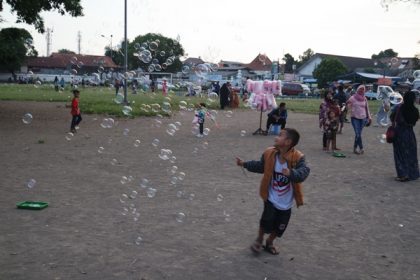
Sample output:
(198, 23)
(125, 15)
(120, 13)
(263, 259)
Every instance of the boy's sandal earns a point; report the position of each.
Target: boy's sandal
(271, 249)
(256, 247)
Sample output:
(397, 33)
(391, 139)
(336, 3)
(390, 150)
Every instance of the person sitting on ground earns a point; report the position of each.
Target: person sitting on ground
(277, 116)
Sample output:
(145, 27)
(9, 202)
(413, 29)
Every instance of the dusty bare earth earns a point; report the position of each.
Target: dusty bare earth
(358, 223)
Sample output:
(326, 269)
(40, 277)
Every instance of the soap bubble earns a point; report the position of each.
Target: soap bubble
(119, 98)
(228, 114)
(124, 180)
(69, 136)
(243, 132)
(206, 131)
(107, 123)
(165, 154)
(180, 194)
(162, 53)
(123, 198)
(177, 125)
(166, 107)
(185, 69)
(227, 216)
(31, 183)
(170, 131)
(182, 105)
(133, 194)
(27, 118)
(395, 98)
(125, 211)
(172, 170)
(181, 176)
(153, 45)
(158, 67)
(219, 197)
(151, 192)
(144, 183)
(384, 121)
(114, 161)
(205, 145)
(127, 110)
(155, 142)
(382, 138)
(137, 143)
(172, 159)
(174, 180)
(126, 131)
(157, 123)
(191, 196)
(101, 150)
(138, 240)
(180, 217)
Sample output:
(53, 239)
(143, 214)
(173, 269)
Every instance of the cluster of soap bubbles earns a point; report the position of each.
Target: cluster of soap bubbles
(148, 53)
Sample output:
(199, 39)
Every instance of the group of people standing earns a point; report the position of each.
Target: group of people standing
(404, 116)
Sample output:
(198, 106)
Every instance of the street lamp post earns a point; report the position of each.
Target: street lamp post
(125, 53)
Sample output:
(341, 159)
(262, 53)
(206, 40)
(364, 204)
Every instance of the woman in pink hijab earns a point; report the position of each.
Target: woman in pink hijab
(360, 116)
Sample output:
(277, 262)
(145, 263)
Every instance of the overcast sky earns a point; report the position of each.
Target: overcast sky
(238, 30)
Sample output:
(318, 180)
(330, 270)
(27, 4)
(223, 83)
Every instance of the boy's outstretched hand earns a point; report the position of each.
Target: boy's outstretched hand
(239, 162)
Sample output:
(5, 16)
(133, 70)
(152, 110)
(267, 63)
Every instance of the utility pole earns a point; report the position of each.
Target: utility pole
(79, 42)
(48, 38)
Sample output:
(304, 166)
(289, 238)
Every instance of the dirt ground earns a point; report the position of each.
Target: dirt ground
(358, 223)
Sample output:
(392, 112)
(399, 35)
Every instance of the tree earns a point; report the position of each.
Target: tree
(388, 53)
(328, 70)
(29, 11)
(66, 51)
(305, 57)
(289, 62)
(163, 51)
(15, 45)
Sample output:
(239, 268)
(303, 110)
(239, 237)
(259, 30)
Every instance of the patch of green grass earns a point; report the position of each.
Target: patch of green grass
(99, 100)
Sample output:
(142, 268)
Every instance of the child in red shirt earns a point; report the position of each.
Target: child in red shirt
(75, 111)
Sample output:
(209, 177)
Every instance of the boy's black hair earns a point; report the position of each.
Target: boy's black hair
(282, 104)
(203, 104)
(75, 91)
(293, 135)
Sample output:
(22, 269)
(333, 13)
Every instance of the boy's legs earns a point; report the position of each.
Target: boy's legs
(282, 218)
(201, 128)
(79, 119)
(73, 123)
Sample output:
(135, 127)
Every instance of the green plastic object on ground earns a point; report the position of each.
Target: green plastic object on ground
(340, 155)
(32, 205)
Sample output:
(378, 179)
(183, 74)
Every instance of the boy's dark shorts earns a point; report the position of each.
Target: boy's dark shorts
(274, 220)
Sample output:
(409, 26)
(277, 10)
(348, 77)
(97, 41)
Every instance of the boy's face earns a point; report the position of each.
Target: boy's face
(282, 140)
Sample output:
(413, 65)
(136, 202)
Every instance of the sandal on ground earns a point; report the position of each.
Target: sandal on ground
(256, 247)
(401, 179)
(271, 249)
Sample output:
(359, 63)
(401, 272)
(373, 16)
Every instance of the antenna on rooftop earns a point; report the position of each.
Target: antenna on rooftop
(48, 38)
(79, 42)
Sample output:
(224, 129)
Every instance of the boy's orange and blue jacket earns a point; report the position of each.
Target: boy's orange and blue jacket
(299, 171)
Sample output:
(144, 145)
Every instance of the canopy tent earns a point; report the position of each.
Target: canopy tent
(367, 77)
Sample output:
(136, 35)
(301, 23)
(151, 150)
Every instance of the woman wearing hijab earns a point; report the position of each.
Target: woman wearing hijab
(360, 116)
(224, 95)
(405, 116)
